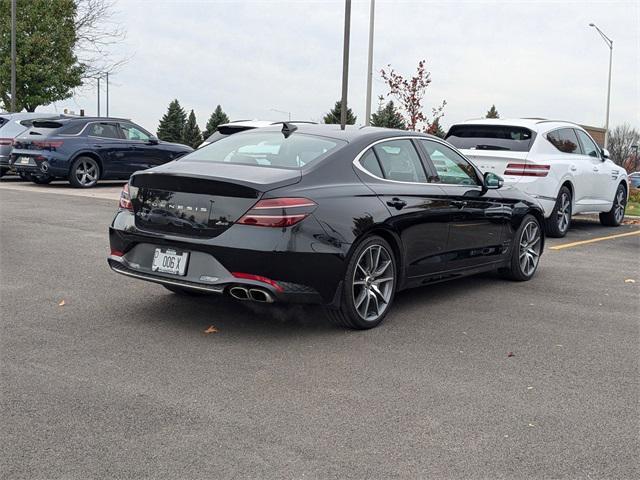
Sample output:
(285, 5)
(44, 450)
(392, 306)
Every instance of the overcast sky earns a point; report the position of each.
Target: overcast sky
(530, 59)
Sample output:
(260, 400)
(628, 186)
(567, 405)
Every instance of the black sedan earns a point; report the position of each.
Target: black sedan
(85, 150)
(312, 213)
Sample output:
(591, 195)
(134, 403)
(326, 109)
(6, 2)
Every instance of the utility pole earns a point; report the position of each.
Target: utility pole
(107, 93)
(345, 63)
(13, 56)
(98, 96)
(609, 43)
(370, 64)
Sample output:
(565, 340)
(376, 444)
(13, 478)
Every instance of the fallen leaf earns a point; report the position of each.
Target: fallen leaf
(61, 303)
(511, 354)
(531, 425)
(529, 388)
(211, 329)
(629, 280)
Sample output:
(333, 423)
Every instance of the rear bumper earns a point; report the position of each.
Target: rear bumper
(309, 274)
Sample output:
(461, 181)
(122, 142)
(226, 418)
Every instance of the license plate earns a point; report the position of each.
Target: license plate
(169, 261)
(24, 160)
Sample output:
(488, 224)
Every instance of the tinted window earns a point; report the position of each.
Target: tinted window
(268, 149)
(400, 161)
(564, 140)
(588, 146)
(452, 168)
(490, 137)
(104, 130)
(3, 121)
(73, 128)
(131, 132)
(370, 163)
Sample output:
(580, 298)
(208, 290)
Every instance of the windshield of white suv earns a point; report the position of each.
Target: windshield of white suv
(266, 149)
(490, 137)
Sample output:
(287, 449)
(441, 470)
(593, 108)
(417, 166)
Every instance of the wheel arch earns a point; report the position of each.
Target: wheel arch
(393, 239)
(569, 184)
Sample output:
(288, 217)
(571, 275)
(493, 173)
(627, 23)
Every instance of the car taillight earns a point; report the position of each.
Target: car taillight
(527, 170)
(125, 199)
(6, 141)
(278, 212)
(48, 145)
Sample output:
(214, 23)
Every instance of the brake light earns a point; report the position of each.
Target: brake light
(527, 170)
(258, 278)
(125, 199)
(6, 141)
(116, 253)
(278, 212)
(48, 145)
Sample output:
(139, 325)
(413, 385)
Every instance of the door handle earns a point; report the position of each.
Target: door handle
(458, 203)
(397, 203)
(595, 169)
(573, 168)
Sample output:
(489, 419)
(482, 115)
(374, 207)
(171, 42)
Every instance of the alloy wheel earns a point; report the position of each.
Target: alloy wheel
(530, 243)
(619, 205)
(564, 212)
(373, 282)
(87, 172)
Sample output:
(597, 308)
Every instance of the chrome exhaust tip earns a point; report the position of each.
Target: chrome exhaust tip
(258, 295)
(239, 293)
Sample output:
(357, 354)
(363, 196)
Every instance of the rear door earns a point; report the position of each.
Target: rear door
(104, 138)
(602, 187)
(394, 171)
(570, 158)
(477, 218)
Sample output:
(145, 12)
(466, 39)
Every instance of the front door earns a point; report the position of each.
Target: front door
(141, 153)
(477, 217)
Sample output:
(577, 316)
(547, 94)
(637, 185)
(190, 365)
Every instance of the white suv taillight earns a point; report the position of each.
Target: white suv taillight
(527, 169)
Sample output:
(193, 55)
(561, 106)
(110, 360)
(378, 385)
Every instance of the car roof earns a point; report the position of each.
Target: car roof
(535, 124)
(349, 134)
(28, 115)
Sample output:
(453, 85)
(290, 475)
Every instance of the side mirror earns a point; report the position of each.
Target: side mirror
(605, 154)
(153, 141)
(492, 181)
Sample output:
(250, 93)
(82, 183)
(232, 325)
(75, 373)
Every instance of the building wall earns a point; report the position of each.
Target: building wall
(596, 133)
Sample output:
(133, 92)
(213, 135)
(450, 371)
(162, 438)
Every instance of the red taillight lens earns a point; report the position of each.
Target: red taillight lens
(125, 199)
(278, 212)
(527, 170)
(6, 141)
(258, 278)
(116, 253)
(48, 145)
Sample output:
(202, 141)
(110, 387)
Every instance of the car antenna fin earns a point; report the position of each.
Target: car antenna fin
(288, 129)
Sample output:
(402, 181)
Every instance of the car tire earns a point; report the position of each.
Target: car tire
(41, 180)
(526, 251)
(559, 221)
(615, 216)
(185, 291)
(84, 172)
(369, 286)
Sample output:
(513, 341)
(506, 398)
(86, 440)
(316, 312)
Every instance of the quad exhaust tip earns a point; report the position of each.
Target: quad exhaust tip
(255, 294)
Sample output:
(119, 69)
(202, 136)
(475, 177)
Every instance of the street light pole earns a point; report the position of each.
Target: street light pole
(98, 96)
(609, 43)
(13, 55)
(367, 120)
(107, 74)
(345, 63)
(281, 111)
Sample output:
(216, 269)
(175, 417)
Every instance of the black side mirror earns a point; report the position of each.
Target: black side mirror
(153, 141)
(492, 181)
(605, 154)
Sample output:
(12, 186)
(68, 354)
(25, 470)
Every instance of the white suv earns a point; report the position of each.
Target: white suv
(556, 162)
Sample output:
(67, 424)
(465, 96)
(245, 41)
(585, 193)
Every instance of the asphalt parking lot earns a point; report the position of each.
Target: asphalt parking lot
(109, 377)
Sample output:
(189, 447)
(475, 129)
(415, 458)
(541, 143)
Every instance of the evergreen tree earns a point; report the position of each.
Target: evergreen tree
(493, 113)
(387, 116)
(334, 115)
(218, 117)
(172, 125)
(436, 129)
(191, 134)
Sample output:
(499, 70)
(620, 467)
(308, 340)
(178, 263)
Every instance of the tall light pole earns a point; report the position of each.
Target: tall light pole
(13, 55)
(281, 111)
(107, 75)
(345, 63)
(367, 120)
(98, 96)
(609, 43)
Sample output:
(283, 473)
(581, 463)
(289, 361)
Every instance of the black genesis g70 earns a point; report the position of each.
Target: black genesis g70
(312, 213)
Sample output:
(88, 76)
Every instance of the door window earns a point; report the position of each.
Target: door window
(565, 140)
(588, 146)
(399, 161)
(131, 132)
(452, 168)
(103, 130)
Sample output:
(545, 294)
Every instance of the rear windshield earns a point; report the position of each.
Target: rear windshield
(490, 137)
(266, 149)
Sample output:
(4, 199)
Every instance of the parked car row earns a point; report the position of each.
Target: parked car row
(84, 150)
